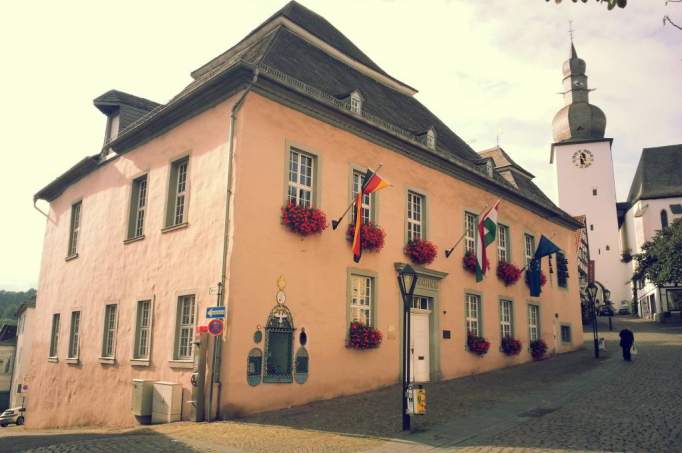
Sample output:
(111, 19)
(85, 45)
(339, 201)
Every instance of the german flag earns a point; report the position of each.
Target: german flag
(373, 183)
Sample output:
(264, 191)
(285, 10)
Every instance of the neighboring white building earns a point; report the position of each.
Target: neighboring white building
(20, 387)
(583, 162)
(654, 201)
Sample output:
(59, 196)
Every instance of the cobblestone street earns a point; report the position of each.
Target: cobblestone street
(571, 403)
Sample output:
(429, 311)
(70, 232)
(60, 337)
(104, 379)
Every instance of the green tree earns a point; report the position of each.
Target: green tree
(661, 259)
(610, 4)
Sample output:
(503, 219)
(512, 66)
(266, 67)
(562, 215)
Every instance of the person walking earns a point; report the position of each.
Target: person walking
(627, 339)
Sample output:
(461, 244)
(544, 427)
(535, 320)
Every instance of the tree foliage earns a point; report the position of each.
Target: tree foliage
(661, 259)
(10, 301)
(610, 4)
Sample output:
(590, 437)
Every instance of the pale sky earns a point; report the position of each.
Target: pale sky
(485, 67)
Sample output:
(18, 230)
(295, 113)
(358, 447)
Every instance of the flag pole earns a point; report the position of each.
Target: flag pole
(335, 223)
(449, 251)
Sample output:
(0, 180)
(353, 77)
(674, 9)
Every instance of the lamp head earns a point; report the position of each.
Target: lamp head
(407, 279)
(591, 291)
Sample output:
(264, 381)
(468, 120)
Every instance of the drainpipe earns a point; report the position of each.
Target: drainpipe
(229, 199)
(35, 206)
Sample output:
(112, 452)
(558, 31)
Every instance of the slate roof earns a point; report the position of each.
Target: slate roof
(130, 107)
(658, 175)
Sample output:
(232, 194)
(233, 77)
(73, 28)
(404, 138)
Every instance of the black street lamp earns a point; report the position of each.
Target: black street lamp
(592, 294)
(407, 280)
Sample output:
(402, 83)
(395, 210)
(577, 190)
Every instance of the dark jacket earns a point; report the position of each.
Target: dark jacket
(626, 338)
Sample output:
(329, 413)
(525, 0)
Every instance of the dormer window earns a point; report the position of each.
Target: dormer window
(356, 102)
(112, 128)
(489, 167)
(431, 139)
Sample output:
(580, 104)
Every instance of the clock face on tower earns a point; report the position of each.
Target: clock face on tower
(582, 158)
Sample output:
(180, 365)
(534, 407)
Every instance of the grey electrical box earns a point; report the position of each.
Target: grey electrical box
(143, 391)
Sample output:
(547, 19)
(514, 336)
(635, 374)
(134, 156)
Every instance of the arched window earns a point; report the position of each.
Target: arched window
(356, 102)
(664, 218)
(278, 345)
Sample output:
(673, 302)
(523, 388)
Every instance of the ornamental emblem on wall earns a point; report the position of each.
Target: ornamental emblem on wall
(583, 158)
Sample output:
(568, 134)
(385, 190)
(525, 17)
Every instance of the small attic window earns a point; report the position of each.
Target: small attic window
(489, 167)
(431, 139)
(355, 102)
(112, 128)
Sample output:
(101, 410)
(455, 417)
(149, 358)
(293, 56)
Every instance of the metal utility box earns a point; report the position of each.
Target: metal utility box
(142, 397)
(416, 399)
(167, 402)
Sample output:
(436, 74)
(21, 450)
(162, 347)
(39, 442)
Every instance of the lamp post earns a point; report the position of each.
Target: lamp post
(407, 280)
(592, 294)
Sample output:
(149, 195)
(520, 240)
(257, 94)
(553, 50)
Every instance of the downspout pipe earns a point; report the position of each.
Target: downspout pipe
(229, 198)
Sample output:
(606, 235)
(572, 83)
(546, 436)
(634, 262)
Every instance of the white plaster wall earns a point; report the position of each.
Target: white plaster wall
(23, 354)
(575, 195)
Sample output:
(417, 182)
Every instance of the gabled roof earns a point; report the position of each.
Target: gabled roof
(658, 175)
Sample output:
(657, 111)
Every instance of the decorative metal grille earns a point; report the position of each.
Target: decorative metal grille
(279, 345)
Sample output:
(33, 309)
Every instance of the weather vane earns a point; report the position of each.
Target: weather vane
(570, 30)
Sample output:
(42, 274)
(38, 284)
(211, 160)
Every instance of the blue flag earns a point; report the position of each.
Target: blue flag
(545, 247)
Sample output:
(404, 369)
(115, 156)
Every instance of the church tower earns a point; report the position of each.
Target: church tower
(582, 159)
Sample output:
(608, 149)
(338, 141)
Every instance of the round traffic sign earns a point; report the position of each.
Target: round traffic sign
(215, 327)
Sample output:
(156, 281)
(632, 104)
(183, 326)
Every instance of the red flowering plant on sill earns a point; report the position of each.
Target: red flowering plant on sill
(543, 279)
(361, 336)
(538, 348)
(420, 251)
(477, 345)
(302, 220)
(371, 236)
(510, 346)
(508, 273)
(469, 261)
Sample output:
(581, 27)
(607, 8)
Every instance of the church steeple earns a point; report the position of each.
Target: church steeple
(578, 120)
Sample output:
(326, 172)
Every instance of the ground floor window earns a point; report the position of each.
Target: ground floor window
(473, 314)
(506, 319)
(533, 322)
(184, 327)
(361, 302)
(566, 334)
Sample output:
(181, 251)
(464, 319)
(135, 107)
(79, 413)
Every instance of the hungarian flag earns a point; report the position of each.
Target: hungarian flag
(486, 234)
(373, 183)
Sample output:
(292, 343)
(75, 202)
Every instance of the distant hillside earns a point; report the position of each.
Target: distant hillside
(10, 301)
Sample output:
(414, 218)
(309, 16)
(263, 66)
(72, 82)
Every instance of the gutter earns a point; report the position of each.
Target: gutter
(227, 244)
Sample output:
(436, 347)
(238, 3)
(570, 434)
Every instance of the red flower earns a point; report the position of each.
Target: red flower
(371, 236)
(508, 273)
(303, 221)
(543, 279)
(477, 345)
(420, 251)
(510, 346)
(361, 336)
(469, 261)
(538, 348)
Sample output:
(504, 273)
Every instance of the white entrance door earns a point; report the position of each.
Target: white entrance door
(419, 352)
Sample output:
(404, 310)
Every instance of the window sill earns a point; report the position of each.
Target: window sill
(71, 257)
(53, 359)
(278, 379)
(181, 363)
(179, 226)
(140, 362)
(106, 360)
(72, 361)
(135, 239)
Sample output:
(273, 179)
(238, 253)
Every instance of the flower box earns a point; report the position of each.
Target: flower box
(302, 220)
(510, 346)
(538, 348)
(371, 236)
(361, 336)
(477, 345)
(469, 262)
(420, 251)
(508, 273)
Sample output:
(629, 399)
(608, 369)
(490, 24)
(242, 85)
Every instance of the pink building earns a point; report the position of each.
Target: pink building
(186, 198)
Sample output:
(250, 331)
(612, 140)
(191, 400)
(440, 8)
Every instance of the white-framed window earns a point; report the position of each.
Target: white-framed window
(301, 178)
(566, 333)
(361, 299)
(178, 192)
(422, 303)
(533, 322)
(138, 205)
(367, 201)
(473, 314)
(470, 224)
(74, 229)
(528, 247)
(54, 335)
(503, 243)
(415, 216)
(506, 318)
(74, 335)
(184, 330)
(109, 334)
(355, 102)
(143, 330)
